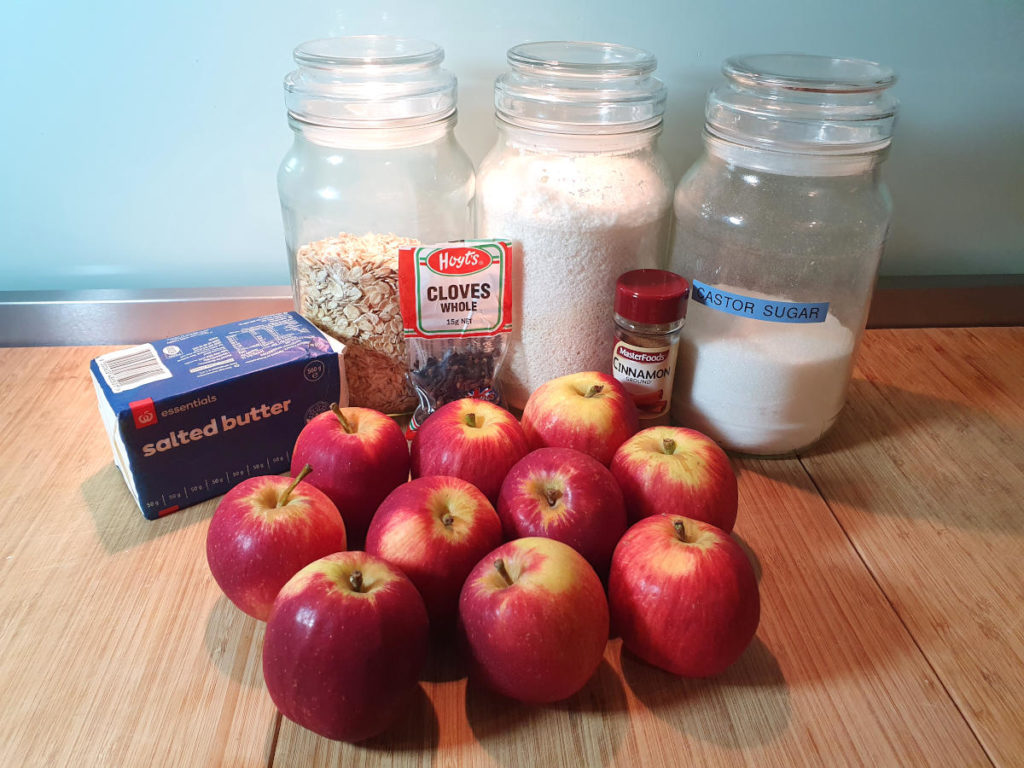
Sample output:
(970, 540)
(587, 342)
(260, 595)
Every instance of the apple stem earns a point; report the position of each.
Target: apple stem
(356, 580)
(670, 445)
(594, 390)
(448, 519)
(470, 419)
(345, 423)
(552, 495)
(283, 499)
(499, 566)
(681, 531)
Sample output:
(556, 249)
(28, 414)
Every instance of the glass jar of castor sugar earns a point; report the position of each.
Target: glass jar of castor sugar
(780, 228)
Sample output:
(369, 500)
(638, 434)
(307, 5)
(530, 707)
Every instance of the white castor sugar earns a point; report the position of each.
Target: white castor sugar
(581, 221)
(759, 387)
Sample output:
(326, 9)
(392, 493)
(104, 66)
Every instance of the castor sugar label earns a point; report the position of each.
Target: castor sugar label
(769, 310)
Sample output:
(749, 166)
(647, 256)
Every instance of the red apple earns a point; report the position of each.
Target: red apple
(536, 620)
(472, 439)
(344, 646)
(566, 495)
(266, 529)
(588, 411)
(683, 595)
(435, 529)
(360, 457)
(676, 471)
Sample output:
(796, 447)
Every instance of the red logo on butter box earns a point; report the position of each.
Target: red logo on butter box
(144, 412)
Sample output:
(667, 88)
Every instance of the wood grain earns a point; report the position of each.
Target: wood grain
(925, 471)
(833, 678)
(116, 647)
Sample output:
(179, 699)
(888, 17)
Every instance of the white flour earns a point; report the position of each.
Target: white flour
(760, 387)
(581, 220)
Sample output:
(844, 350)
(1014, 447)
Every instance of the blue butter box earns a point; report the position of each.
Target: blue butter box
(191, 416)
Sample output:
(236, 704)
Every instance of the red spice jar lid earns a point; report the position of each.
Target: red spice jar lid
(653, 296)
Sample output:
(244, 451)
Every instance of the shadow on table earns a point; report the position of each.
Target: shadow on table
(869, 455)
(755, 561)
(231, 638)
(874, 411)
(415, 734)
(866, 418)
(446, 659)
(714, 709)
(416, 730)
(513, 733)
(960, 487)
(119, 523)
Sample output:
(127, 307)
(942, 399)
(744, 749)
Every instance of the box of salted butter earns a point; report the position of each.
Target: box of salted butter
(191, 416)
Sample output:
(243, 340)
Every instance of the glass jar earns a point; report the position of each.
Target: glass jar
(576, 179)
(780, 228)
(374, 165)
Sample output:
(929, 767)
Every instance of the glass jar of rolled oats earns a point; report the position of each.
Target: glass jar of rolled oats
(374, 166)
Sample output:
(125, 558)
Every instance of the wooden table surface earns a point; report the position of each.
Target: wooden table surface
(890, 558)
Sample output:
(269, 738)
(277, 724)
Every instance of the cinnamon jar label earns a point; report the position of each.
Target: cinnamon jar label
(647, 374)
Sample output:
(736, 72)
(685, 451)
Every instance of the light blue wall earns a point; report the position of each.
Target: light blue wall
(140, 140)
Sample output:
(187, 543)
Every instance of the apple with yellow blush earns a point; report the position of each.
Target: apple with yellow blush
(683, 595)
(360, 456)
(588, 411)
(566, 495)
(435, 529)
(535, 619)
(263, 531)
(345, 644)
(676, 471)
(472, 439)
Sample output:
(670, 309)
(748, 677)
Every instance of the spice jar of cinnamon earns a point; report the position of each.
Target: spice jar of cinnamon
(650, 306)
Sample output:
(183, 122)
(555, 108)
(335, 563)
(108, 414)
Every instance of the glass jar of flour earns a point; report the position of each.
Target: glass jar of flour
(576, 178)
(374, 166)
(780, 227)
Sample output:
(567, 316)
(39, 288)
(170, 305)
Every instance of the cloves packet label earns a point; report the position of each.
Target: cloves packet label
(456, 304)
(456, 289)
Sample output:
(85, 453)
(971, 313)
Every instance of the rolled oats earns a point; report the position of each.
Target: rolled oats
(348, 286)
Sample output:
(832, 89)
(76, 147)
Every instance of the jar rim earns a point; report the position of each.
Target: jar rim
(367, 51)
(803, 103)
(369, 81)
(582, 58)
(808, 72)
(568, 86)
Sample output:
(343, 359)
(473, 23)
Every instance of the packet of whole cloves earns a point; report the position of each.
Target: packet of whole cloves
(456, 302)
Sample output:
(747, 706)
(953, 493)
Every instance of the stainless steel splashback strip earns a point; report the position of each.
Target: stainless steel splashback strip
(72, 318)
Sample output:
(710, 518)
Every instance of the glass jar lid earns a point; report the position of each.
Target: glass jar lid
(805, 104)
(580, 87)
(369, 81)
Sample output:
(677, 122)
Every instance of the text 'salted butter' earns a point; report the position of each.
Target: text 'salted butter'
(191, 416)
